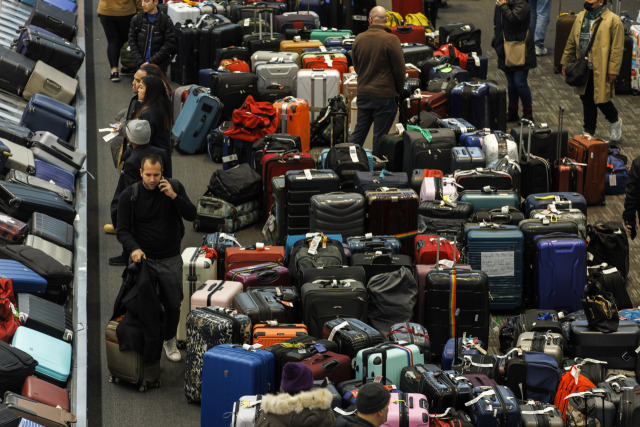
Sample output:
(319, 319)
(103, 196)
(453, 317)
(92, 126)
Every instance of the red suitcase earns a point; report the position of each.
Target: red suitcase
(568, 176)
(276, 164)
(244, 257)
(336, 367)
(261, 275)
(405, 7)
(45, 392)
(410, 34)
(480, 380)
(12, 230)
(424, 101)
(427, 249)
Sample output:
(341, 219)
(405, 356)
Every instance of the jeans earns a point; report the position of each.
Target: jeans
(167, 273)
(379, 111)
(590, 109)
(116, 29)
(540, 14)
(518, 87)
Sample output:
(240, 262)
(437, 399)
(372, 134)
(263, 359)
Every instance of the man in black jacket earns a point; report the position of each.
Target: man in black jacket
(152, 37)
(150, 214)
(632, 198)
(372, 404)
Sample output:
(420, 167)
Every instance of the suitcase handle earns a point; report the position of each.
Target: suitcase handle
(268, 276)
(52, 86)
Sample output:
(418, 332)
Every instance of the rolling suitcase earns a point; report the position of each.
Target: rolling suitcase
(318, 86)
(52, 229)
(336, 367)
(44, 392)
(12, 230)
(16, 365)
(548, 142)
(395, 356)
(418, 153)
(381, 261)
(236, 257)
(266, 56)
(215, 35)
(493, 404)
(423, 101)
(364, 181)
(564, 23)
(592, 406)
(20, 177)
(261, 275)
(535, 414)
(15, 70)
(45, 316)
(510, 216)
(206, 328)
(51, 49)
(351, 335)
(246, 411)
(436, 218)
(45, 113)
(559, 200)
(298, 46)
(47, 80)
(443, 389)
(616, 386)
(490, 198)
(419, 175)
(276, 164)
(218, 293)
(409, 409)
(232, 89)
(53, 355)
(393, 212)
(535, 170)
(391, 147)
(184, 67)
(414, 53)
(200, 112)
(463, 158)
(593, 152)
(35, 413)
(63, 255)
(498, 145)
(545, 342)
(14, 132)
(58, 176)
(269, 304)
(262, 42)
(276, 80)
(337, 213)
(295, 119)
(270, 333)
(479, 178)
(47, 147)
(51, 18)
(615, 348)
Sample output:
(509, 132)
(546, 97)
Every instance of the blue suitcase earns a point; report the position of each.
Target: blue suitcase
(48, 114)
(317, 6)
(53, 354)
(477, 66)
(365, 181)
(497, 250)
(345, 42)
(236, 151)
(490, 404)
(200, 113)
(471, 102)
(21, 201)
(459, 126)
(474, 139)
(363, 244)
(230, 372)
(467, 348)
(490, 199)
(24, 279)
(560, 272)
(204, 77)
(56, 175)
(562, 200)
(69, 5)
(292, 239)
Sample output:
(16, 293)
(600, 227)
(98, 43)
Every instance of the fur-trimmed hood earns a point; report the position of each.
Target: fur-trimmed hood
(308, 408)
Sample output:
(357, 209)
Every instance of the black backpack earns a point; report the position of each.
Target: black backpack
(331, 125)
(345, 160)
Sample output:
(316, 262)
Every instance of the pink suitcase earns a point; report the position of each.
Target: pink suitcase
(408, 409)
(260, 275)
(215, 292)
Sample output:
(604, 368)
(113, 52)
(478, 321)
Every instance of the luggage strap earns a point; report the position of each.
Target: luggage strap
(539, 411)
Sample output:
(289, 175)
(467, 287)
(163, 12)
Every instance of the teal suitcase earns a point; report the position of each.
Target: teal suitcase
(322, 35)
(492, 199)
(53, 355)
(200, 113)
(387, 360)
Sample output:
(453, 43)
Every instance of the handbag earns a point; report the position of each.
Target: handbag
(577, 71)
(599, 308)
(515, 52)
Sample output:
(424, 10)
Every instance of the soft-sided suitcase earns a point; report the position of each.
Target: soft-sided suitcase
(53, 355)
(268, 304)
(61, 177)
(49, 81)
(15, 70)
(37, 414)
(45, 316)
(232, 89)
(229, 372)
(370, 243)
(434, 217)
(200, 112)
(466, 346)
(492, 404)
(560, 200)
(351, 335)
(295, 119)
(52, 229)
(24, 279)
(16, 366)
(394, 357)
(615, 348)
(410, 34)
(337, 213)
(243, 257)
(381, 261)
(41, 391)
(45, 113)
(14, 132)
(63, 255)
(47, 147)
(536, 414)
(544, 140)
(593, 152)
(418, 153)
(36, 44)
(318, 86)
(336, 367)
(219, 293)
(261, 275)
(372, 180)
(391, 147)
(408, 409)
(206, 328)
(545, 342)
(20, 177)
(270, 333)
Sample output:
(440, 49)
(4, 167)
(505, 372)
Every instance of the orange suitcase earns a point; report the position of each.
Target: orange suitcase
(245, 257)
(294, 119)
(593, 152)
(297, 46)
(268, 334)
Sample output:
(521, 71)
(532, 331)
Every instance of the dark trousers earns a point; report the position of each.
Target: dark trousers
(518, 87)
(116, 29)
(167, 274)
(379, 111)
(590, 109)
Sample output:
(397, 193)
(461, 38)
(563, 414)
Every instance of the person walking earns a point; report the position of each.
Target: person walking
(540, 15)
(605, 59)
(152, 37)
(150, 214)
(115, 17)
(379, 62)
(511, 24)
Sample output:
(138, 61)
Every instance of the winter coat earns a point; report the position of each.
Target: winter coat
(163, 39)
(306, 409)
(352, 421)
(632, 198)
(606, 53)
(512, 21)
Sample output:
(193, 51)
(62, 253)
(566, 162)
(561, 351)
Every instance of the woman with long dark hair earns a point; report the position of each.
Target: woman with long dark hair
(155, 108)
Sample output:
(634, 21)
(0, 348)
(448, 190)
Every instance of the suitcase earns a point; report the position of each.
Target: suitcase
(410, 34)
(291, 241)
(295, 119)
(24, 279)
(592, 406)
(379, 262)
(268, 304)
(232, 89)
(477, 66)
(52, 229)
(623, 84)
(419, 175)
(244, 257)
(34, 413)
(423, 101)
(260, 276)
(63, 255)
(616, 386)
(265, 56)
(184, 67)
(69, 5)
(364, 181)
(493, 404)
(546, 342)
(369, 243)
(394, 356)
(45, 316)
(51, 49)
(507, 216)
(51, 18)
(246, 411)
(463, 158)
(14, 132)
(53, 355)
(45, 113)
(219, 293)
(429, 249)
(464, 37)
(445, 390)
(182, 12)
(47, 80)
(616, 348)
(498, 145)
(437, 218)
(20, 177)
(200, 113)
(229, 372)
(15, 70)
(392, 212)
(262, 42)
(414, 53)
(289, 21)
(472, 101)
(16, 366)
(335, 367)
(337, 213)
(276, 225)
(466, 346)
(535, 414)
(351, 335)
(410, 409)
(489, 198)
(302, 185)
(21, 158)
(560, 200)
(391, 147)
(268, 334)
(12, 230)
(412, 333)
(593, 152)
(206, 328)
(318, 86)
(276, 164)
(215, 35)
(47, 147)
(44, 392)
(479, 178)
(544, 140)
(420, 154)
(564, 23)
(277, 80)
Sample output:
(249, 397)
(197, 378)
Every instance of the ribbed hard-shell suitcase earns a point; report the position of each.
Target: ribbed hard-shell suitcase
(418, 153)
(208, 327)
(63, 255)
(276, 164)
(318, 86)
(45, 316)
(261, 275)
(215, 293)
(21, 158)
(56, 175)
(15, 70)
(615, 348)
(593, 152)
(44, 392)
(20, 177)
(395, 357)
(52, 229)
(45, 113)
(53, 355)
(351, 335)
(490, 404)
(200, 112)
(47, 80)
(392, 211)
(54, 150)
(295, 119)
(338, 213)
(268, 334)
(267, 304)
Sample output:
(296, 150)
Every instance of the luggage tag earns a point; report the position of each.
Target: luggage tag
(313, 246)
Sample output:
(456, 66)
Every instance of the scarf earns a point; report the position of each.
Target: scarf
(585, 31)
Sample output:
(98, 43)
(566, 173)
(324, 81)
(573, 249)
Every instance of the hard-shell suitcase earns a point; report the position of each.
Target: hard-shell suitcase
(246, 411)
(261, 275)
(459, 125)
(47, 147)
(421, 154)
(472, 102)
(337, 213)
(276, 164)
(53, 355)
(351, 335)
(215, 35)
(45, 113)
(243, 257)
(229, 372)
(266, 56)
(466, 158)
(49, 81)
(63, 255)
(51, 49)
(535, 414)
(219, 293)
(414, 53)
(592, 406)
(268, 334)
(24, 278)
(466, 346)
(336, 367)
(593, 152)
(295, 119)
(290, 20)
(182, 12)
(21, 158)
(22, 178)
(200, 112)
(490, 198)
(418, 102)
(410, 34)
(615, 348)
(622, 392)
(206, 328)
(12, 230)
(302, 185)
(409, 409)
(69, 5)
(268, 304)
(445, 390)
(184, 66)
(15, 70)
(52, 229)
(364, 181)
(44, 392)
(392, 211)
(560, 200)
(545, 342)
(492, 404)
(479, 178)
(318, 86)
(429, 249)
(370, 243)
(276, 80)
(394, 357)
(35, 413)
(298, 46)
(45, 316)
(61, 177)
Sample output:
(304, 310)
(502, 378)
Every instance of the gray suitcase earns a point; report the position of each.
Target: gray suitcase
(63, 255)
(536, 414)
(21, 158)
(20, 177)
(317, 87)
(547, 342)
(563, 214)
(52, 229)
(246, 411)
(53, 150)
(50, 82)
(338, 213)
(271, 56)
(276, 80)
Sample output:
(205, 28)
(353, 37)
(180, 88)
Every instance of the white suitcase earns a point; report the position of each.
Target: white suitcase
(271, 56)
(196, 269)
(21, 158)
(436, 188)
(245, 411)
(317, 87)
(182, 12)
(550, 343)
(62, 255)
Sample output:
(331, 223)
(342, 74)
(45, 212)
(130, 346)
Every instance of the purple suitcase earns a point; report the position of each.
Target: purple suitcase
(261, 275)
(480, 380)
(56, 175)
(408, 409)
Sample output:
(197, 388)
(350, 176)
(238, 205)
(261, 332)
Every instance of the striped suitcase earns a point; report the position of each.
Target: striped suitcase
(52, 229)
(396, 357)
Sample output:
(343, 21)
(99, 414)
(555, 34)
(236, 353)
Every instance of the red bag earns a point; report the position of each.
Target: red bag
(253, 121)
(9, 321)
(568, 385)
(235, 64)
(457, 58)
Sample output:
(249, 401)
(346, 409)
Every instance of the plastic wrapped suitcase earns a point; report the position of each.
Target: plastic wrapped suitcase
(270, 333)
(616, 348)
(318, 87)
(15, 69)
(45, 316)
(498, 145)
(182, 12)
(200, 112)
(219, 293)
(63, 255)
(53, 355)
(351, 335)
(338, 213)
(490, 404)
(268, 304)
(397, 356)
(261, 275)
(35, 413)
(49, 148)
(52, 229)
(48, 81)
(206, 328)
(20, 177)
(44, 392)
(45, 113)
(593, 152)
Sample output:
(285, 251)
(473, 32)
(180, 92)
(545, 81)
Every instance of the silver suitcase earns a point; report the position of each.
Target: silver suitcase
(23, 178)
(277, 76)
(547, 342)
(53, 150)
(51, 82)
(271, 56)
(21, 158)
(317, 87)
(62, 255)
(245, 411)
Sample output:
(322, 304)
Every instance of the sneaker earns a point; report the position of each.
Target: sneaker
(115, 77)
(615, 131)
(109, 229)
(540, 51)
(124, 71)
(119, 260)
(171, 350)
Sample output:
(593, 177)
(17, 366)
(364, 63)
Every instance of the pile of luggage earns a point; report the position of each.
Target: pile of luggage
(40, 163)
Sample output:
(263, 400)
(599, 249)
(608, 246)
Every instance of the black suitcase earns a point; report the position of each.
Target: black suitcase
(381, 262)
(535, 174)
(498, 107)
(390, 148)
(630, 407)
(50, 49)
(21, 201)
(615, 386)
(15, 367)
(230, 52)
(15, 71)
(51, 229)
(302, 185)
(615, 348)
(45, 316)
(415, 53)
(13, 132)
(445, 389)
(215, 37)
(351, 335)
(436, 218)
(232, 89)
(544, 140)
(508, 216)
(464, 37)
(623, 82)
(263, 304)
(540, 414)
(411, 378)
(338, 213)
(333, 272)
(52, 18)
(477, 179)
(261, 41)
(184, 67)
(274, 143)
(420, 154)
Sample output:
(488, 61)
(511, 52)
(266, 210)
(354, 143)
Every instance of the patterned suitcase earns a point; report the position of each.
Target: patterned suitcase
(53, 355)
(12, 230)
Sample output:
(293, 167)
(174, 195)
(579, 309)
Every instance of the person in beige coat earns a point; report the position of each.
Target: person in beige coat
(605, 60)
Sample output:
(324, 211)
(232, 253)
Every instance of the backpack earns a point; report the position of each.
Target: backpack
(345, 160)
(329, 252)
(331, 125)
(568, 385)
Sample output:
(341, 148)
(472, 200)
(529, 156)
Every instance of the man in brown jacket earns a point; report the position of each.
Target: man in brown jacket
(378, 60)
(605, 60)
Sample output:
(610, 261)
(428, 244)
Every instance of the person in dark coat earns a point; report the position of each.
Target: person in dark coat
(155, 107)
(511, 23)
(152, 38)
(632, 198)
(372, 404)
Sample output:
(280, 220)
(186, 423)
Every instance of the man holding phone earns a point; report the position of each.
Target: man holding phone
(150, 214)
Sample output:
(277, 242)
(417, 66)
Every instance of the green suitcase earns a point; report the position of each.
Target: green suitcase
(387, 360)
(323, 34)
(490, 198)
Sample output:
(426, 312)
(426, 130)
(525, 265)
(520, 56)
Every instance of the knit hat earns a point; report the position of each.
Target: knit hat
(138, 131)
(372, 397)
(296, 377)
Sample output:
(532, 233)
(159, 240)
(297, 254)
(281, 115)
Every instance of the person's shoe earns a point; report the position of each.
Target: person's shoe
(109, 229)
(541, 51)
(118, 260)
(124, 71)
(615, 131)
(171, 350)
(115, 77)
